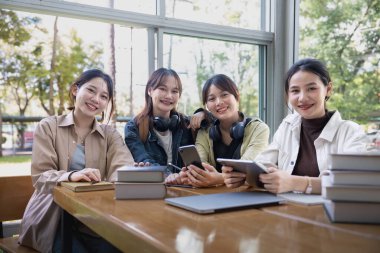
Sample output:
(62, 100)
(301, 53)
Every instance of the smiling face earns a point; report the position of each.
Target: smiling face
(165, 97)
(91, 98)
(222, 104)
(307, 94)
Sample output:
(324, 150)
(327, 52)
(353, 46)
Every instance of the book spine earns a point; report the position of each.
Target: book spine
(140, 177)
(139, 191)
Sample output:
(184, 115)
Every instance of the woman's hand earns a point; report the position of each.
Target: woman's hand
(203, 178)
(232, 179)
(178, 178)
(87, 174)
(173, 178)
(196, 120)
(277, 181)
(141, 164)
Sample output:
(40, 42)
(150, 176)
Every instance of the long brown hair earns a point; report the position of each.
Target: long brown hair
(156, 79)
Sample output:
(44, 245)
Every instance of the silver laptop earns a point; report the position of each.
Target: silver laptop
(211, 203)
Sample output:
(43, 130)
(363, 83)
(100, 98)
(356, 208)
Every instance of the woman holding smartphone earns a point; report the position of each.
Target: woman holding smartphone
(231, 135)
(157, 132)
(303, 141)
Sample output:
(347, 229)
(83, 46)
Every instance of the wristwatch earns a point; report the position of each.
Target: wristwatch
(309, 187)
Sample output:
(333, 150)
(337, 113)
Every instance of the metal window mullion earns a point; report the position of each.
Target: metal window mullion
(160, 48)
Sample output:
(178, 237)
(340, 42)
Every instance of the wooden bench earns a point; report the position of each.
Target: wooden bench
(15, 193)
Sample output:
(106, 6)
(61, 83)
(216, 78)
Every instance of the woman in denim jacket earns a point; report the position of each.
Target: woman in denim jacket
(302, 144)
(157, 132)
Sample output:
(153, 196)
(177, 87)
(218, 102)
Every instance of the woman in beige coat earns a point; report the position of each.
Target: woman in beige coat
(73, 147)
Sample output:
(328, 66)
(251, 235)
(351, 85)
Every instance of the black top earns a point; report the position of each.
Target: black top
(231, 151)
(307, 164)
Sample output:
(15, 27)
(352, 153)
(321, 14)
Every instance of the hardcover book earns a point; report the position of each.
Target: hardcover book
(355, 177)
(139, 190)
(360, 193)
(87, 186)
(359, 161)
(353, 212)
(146, 174)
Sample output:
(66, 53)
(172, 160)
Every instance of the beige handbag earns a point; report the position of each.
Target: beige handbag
(40, 222)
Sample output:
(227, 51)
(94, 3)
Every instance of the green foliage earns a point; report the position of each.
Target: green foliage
(23, 68)
(71, 60)
(15, 159)
(236, 60)
(346, 35)
(13, 29)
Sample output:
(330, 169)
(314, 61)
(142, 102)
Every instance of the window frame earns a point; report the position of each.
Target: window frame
(278, 47)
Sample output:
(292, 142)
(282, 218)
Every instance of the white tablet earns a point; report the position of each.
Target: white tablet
(251, 168)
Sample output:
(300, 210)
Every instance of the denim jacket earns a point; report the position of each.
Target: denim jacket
(151, 151)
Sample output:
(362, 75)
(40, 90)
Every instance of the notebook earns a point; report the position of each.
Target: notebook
(211, 203)
(303, 199)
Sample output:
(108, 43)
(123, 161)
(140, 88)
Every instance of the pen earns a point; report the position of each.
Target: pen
(175, 166)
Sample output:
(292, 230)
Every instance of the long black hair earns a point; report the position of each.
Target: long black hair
(85, 77)
(309, 65)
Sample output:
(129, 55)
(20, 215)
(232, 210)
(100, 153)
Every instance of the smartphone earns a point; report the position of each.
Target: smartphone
(190, 155)
(251, 168)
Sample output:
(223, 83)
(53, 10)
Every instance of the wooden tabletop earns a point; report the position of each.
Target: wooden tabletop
(153, 226)
(316, 215)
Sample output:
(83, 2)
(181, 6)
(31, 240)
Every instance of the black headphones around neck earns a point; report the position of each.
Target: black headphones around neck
(164, 124)
(236, 130)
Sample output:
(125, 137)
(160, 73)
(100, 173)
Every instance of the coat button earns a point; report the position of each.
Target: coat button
(291, 163)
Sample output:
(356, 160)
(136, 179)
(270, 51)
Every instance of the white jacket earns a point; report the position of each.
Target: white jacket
(338, 136)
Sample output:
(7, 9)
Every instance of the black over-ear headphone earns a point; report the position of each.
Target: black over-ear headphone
(236, 130)
(163, 124)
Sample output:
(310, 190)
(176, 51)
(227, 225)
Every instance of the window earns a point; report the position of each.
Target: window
(236, 13)
(141, 6)
(197, 59)
(345, 35)
(197, 40)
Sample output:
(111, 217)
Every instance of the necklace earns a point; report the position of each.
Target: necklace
(82, 134)
(81, 139)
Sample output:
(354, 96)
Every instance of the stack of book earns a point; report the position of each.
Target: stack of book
(140, 182)
(352, 188)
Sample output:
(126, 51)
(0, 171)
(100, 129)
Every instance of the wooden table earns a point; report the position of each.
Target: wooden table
(153, 226)
(315, 215)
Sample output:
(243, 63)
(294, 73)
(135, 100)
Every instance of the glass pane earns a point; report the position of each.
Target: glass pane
(196, 60)
(141, 6)
(345, 35)
(236, 13)
(25, 69)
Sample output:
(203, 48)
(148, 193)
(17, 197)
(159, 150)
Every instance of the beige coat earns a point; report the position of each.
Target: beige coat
(53, 147)
(55, 142)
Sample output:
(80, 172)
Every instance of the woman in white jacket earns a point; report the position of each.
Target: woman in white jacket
(303, 141)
